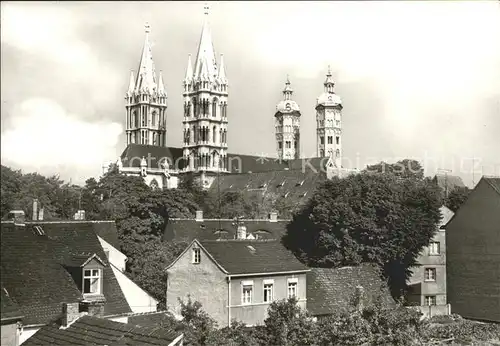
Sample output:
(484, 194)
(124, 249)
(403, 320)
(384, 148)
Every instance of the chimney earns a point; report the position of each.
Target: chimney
(273, 216)
(71, 312)
(17, 216)
(199, 216)
(94, 307)
(241, 232)
(359, 298)
(40, 214)
(35, 209)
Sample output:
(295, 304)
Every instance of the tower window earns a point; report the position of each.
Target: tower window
(144, 137)
(337, 140)
(321, 153)
(288, 144)
(153, 118)
(322, 140)
(330, 139)
(295, 144)
(280, 145)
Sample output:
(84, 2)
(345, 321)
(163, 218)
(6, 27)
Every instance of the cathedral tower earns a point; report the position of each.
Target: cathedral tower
(146, 102)
(287, 125)
(205, 109)
(329, 122)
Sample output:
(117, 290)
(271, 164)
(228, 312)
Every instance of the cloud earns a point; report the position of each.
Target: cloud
(43, 136)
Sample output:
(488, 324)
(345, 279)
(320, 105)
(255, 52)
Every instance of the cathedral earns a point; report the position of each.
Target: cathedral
(204, 152)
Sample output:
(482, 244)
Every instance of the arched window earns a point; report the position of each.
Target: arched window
(321, 153)
(337, 152)
(195, 134)
(214, 107)
(195, 105)
(214, 134)
(153, 118)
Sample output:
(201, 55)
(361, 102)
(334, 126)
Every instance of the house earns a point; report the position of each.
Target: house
(428, 280)
(11, 317)
(44, 264)
(332, 289)
(448, 183)
(473, 254)
(78, 329)
(235, 279)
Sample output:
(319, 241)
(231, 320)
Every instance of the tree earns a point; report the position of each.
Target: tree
(288, 325)
(402, 169)
(457, 197)
(370, 217)
(232, 204)
(199, 325)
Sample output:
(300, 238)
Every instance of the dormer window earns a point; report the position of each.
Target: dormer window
(92, 281)
(196, 255)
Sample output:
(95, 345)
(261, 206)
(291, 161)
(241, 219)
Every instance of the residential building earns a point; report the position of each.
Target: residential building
(448, 182)
(473, 254)
(44, 264)
(236, 279)
(428, 281)
(332, 289)
(89, 330)
(11, 317)
(205, 125)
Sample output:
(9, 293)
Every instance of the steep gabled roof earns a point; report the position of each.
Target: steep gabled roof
(34, 272)
(89, 330)
(243, 257)
(9, 309)
(449, 182)
(331, 289)
(494, 183)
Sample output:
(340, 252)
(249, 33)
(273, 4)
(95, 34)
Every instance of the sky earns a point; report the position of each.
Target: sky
(417, 79)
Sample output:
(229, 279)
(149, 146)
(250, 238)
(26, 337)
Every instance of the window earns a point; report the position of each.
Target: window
(91, 281)
(288, 144)
(268, 291)
(430, 300)
(322, 140)
(292, 288)
(330, 139)
(196, 255)
(337, 140)
(430, 274)
(280, 145)
(153, 118)
(247, 292)
(144, 137)
(434, 248)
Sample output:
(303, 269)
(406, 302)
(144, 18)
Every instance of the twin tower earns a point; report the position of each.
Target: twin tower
(205, 121)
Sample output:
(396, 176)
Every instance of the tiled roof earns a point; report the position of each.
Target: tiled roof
(494, 182)
(152, 319)
(190, 229)
(252, 257)
(95, 331)
(9, 309)
(446, 215)
(106, 229)
(330, 289)
(449, 182)
(237, 163)
(34, 274)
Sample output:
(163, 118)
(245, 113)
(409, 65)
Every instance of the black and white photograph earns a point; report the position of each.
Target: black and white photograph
(250, 173)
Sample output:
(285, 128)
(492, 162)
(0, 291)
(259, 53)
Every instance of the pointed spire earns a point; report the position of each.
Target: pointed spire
(146, 76)
(206, 52)
(288, 91)
(329, 83)
(161, 86)
(222, 70)
(189, 71)
(131, 85)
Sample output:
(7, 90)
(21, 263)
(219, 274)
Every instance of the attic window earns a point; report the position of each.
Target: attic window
(230, 186)
(263, 186)
(286, 194)
(304, 194)
(196, 255)
(91, 281)
(251, 248)
(300, 183)
(281, 184)
(39, 230)
(202, 226)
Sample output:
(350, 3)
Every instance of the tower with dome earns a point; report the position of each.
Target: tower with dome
(287, 125)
